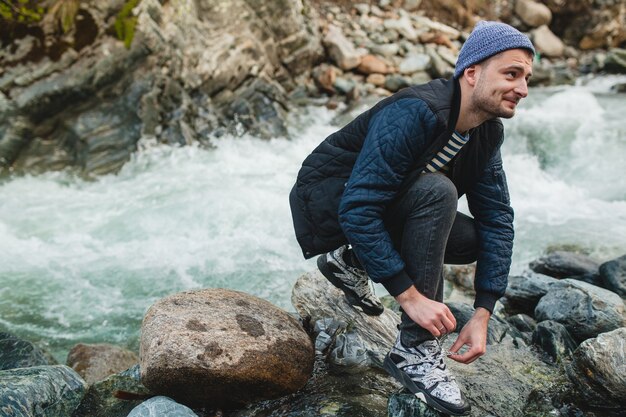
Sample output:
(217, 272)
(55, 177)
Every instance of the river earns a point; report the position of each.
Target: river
(81, 261)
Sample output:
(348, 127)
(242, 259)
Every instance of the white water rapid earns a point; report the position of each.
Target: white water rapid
(81, 261)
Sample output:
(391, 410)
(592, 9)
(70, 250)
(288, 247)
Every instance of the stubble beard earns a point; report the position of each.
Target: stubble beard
(487, 104)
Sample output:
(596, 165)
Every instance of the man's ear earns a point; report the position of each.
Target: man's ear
(471, 74)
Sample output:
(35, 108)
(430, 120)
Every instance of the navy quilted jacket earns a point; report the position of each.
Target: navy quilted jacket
(345, 185)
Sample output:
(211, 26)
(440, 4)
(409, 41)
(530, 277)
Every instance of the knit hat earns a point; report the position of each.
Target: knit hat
(488, 39)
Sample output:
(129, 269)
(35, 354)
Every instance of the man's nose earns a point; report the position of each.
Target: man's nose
(522, 88)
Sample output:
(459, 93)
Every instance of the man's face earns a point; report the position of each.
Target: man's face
(502, 81)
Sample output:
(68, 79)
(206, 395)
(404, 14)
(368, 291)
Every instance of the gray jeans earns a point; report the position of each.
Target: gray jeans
(428, 231)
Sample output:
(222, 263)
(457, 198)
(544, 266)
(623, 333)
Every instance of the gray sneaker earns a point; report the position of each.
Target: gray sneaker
(354, 282)
(422, 371)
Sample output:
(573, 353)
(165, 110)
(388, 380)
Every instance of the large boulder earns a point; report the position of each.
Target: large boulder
(222, 347)
(115, 396)
(18, 353)
(40, 391)
(315, 298)
(613, 275)
(95, 362)
(584, 309)
(563, 264)
(598, 369)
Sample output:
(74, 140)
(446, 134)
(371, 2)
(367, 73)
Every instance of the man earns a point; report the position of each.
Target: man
(380, 196)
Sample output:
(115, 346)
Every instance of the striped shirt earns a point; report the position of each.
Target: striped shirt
(444, 156)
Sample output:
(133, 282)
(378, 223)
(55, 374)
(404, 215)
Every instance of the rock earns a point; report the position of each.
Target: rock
(598, 370)
(461, 275)
(562, 264)
(386, 50)
(532, 13)
(403, 26)
(41, 391)
(376, 79)
(18, 353)
(554, 339)
(114, 396)
(414, 63)
(547, 43)
(613, 275)
(325, 76)
(524, 292)
(616, 61)
(405, 404)
(221, 348)
(396, 82)
(315, 298)
(344, 85)
(411, 5)
(98, 361)
(522, 322)
(161, 406)
(372, 65)
(340, 49)
(439, 67)
(585, 310)
(505, 379)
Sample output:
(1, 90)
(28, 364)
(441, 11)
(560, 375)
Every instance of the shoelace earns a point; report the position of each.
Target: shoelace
(440, 340)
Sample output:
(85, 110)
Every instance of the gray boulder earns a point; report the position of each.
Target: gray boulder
(221, 347)
(616, 61)
(584, 309)
(161, 406)
(522, 322)
(554, 339)
(613, 275)
(314, 297)
(18, 353)
(563, 264)
(40, 391)
(114, 396)
(598, 370)
(95, 362)
(524, 292)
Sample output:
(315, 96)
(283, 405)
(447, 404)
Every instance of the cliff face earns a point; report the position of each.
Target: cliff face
(194, 69)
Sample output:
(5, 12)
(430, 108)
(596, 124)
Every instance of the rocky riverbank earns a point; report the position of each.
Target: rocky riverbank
(197, 70)
(555, 347)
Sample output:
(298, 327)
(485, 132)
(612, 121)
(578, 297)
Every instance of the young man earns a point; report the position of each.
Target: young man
(380, 196)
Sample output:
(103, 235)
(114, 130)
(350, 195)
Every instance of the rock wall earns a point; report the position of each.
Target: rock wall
(195, 69)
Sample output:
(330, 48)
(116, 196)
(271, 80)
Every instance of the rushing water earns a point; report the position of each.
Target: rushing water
(82, 261)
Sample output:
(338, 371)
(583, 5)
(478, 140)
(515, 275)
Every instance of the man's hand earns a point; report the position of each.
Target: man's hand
(429, 314)
(474, 335)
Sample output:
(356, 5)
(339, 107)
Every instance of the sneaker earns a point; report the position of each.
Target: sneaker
(422, 371)
(354, 282)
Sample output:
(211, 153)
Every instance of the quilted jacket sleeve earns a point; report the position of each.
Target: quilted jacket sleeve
(489, 203)
(397, 136)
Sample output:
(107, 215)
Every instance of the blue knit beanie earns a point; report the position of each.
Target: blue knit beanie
(488, 39)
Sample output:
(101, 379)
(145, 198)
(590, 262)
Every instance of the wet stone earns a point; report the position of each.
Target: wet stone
(554, 339)
(18, 353)
(598, 369)
(115, 396)
(524, 291)
(42, 391)
(563, 264)
(406, 404)
(584, 309)
(161, 406)
(613, 275)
